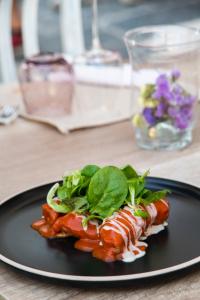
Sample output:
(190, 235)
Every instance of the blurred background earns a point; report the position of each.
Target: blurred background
(90, 34)
(115, 18)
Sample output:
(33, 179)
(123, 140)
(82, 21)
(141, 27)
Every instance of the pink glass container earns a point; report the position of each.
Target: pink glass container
(47, 85)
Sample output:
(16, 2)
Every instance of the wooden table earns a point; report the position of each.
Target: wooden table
(32, 154)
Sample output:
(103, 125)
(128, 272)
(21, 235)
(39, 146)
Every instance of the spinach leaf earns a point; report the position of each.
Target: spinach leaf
(136, 188)
(63, 192)
(129, 172)
(102, 191)
(107, 191)
(150, 196)
(80, 204)
(77, 183)
(137, 185)
(76, 204)
(89, 170)
(57, 206)
(72, 185)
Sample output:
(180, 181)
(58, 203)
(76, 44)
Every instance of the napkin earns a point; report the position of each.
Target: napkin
(93, 105)
(103, 95)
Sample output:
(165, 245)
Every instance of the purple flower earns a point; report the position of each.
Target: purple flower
(186, 112)
(178, 99)
(181, 121)
(162, 93)
(177, 89)
(175, 74)
(148, 115)
(162, 88)
(181, 116)
(162, 81)
(188, 100)
(160, 110)
(157, 94)
(173, 102)
(177, 94)
(172, 111)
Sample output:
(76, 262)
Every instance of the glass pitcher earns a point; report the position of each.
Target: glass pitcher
(165, 67)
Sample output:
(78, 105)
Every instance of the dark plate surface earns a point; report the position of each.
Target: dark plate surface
(173, 249)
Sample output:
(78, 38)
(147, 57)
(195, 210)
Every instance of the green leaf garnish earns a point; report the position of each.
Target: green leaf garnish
(141, 213)
(90, 217)
(107, 191)
(89, 170)
(136, 186)
(59, 207)
(99, 192)
(150, 196)
(73, 185)
(129, 172)
(80, 204)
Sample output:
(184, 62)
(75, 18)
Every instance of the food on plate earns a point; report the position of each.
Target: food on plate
(109, 210)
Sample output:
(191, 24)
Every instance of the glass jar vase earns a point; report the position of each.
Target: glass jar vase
(47, 85)
(165, 62)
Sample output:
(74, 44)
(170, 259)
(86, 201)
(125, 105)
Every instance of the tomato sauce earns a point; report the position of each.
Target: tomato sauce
(117, 238)
(72, 223)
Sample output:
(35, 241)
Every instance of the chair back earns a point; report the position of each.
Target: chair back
(71, 30)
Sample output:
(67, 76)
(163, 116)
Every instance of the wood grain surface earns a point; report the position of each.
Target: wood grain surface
(32, 154)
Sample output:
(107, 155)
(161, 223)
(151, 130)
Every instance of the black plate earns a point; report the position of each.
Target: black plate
(173, 249)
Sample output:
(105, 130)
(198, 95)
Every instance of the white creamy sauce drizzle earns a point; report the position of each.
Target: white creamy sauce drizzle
(136, 228)
(152, 211)
(164, 202)
(129, 248)
(129, 256)
(154, 229)
(95, 222)
(138, 224)
(115, 224)
(85, 227)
